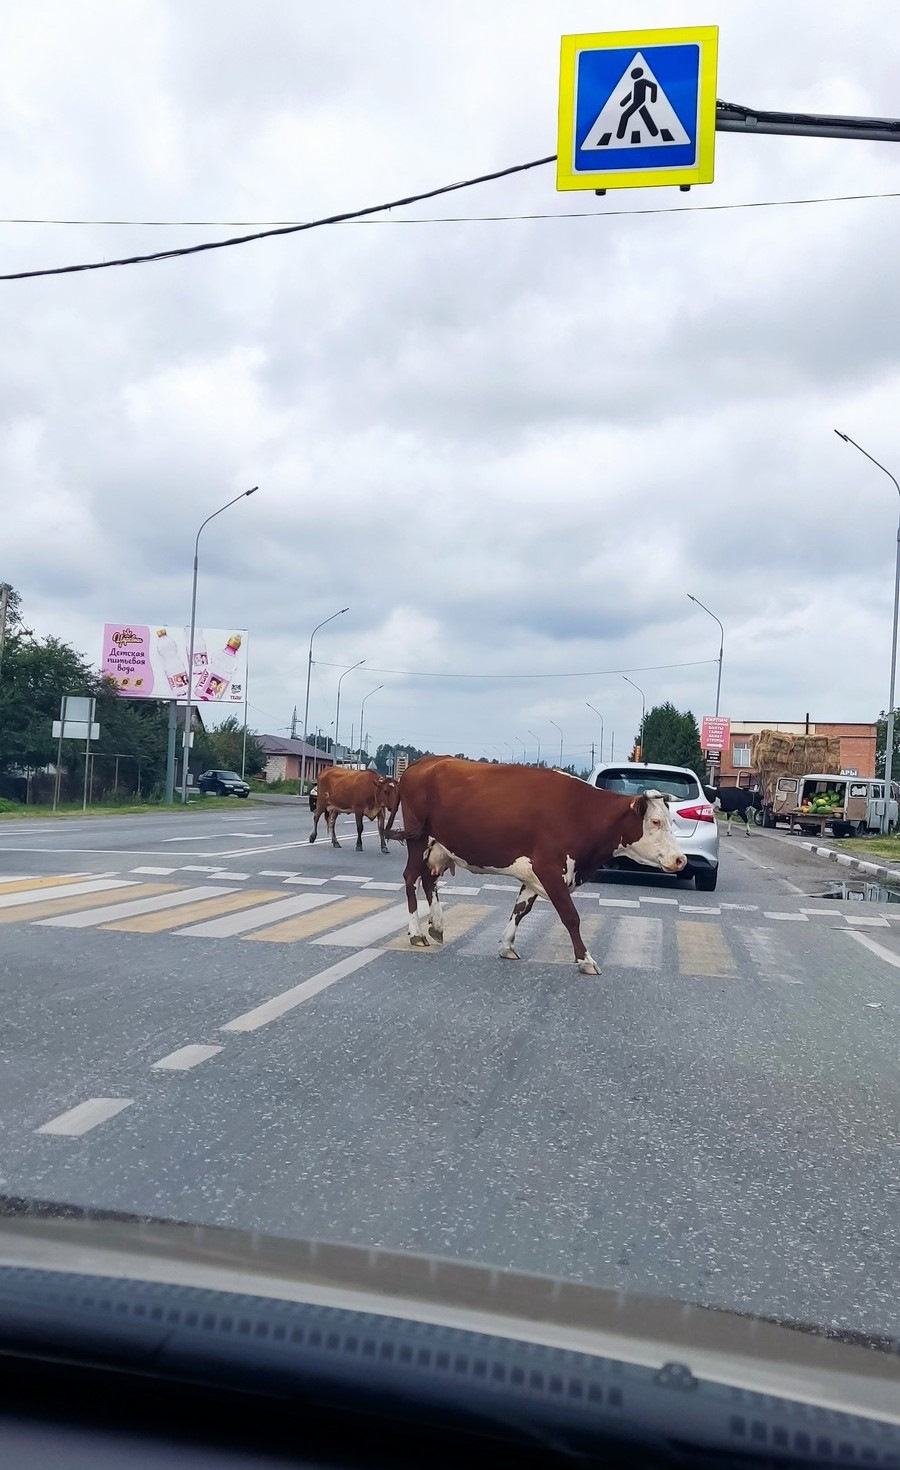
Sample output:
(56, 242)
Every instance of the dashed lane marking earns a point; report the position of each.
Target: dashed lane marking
(875, 948)
(304, 926)
(185, 1058)
(270, 1010)
(800, 918)
(85, 1116)
(867, 921)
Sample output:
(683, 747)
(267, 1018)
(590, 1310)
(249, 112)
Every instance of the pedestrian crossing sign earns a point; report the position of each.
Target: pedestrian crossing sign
(637, 109)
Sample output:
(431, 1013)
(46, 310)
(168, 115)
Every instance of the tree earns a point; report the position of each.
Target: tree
(881, 745)
(672, 738)
(223, 748)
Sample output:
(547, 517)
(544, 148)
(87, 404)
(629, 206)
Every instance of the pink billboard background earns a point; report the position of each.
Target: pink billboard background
(150, 661)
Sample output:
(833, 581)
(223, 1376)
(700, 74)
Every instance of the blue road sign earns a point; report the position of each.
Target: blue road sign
(637, 108)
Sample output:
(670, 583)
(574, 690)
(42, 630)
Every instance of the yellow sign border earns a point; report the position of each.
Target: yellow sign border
(707, 38)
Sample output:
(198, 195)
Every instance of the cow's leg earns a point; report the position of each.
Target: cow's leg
(315, 831)
(521, 907)
(413, 873)
(381, 838)
(728, 816)
(550, 875)
(746, 821)
(435, 912)
(332, 823)
(359, 846)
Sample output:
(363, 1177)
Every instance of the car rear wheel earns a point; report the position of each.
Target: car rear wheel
(705, 879)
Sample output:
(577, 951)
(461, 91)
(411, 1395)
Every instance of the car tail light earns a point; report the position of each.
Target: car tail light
(701, 813)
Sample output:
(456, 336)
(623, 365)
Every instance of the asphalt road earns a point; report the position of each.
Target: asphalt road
(715, 1118)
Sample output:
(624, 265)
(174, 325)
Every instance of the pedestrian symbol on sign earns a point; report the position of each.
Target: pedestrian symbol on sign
(638, 114)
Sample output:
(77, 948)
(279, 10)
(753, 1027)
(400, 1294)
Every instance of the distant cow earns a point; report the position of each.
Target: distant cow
(737, 801)
(364, 793)
(547, 829)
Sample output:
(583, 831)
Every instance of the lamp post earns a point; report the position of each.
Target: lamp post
(600, 717)
(337, 708)
(312, 635)
(558, 727)
(190, 669)
(361, 709)
(889, 733)
(643, 708)
(524, 748)
(538, 739)
(721, 644)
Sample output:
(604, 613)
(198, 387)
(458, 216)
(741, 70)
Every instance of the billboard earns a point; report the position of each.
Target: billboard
(716, 732)
(150, 662)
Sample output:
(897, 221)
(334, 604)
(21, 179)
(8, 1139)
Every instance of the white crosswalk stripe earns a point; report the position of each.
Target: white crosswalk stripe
(64, 890)
(636, 944)
(112, 912)
(247, 919)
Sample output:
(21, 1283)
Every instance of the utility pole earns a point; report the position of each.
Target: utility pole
(4, 603)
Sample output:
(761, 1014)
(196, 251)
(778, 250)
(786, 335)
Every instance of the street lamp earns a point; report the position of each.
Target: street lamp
(538, 739)
(337, 708)
(643, 708)
(557, 727)
(889, 734)
(597, 712)
(190, 680)
(308, 678)
(524, 748)
(721, 644)
(361, 709)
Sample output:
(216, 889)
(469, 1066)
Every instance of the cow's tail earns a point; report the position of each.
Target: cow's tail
(394, 807)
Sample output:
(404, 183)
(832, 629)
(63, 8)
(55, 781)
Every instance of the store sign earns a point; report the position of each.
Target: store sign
(151, 662)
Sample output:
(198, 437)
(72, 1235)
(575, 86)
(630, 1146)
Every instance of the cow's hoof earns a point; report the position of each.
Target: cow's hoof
(587, 967)
(436, 934)
(508, 954)
(418, 941)
(385, 848)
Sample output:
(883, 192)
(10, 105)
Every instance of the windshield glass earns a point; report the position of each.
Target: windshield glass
(355, 426)
(635, 782)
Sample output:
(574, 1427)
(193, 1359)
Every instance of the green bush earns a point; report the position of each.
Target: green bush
(10, 806)
(288, 788)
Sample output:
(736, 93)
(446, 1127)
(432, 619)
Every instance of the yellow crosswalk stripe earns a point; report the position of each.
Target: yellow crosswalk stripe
(555, 948)
(48, 908)
(24, 885)
(458, 920)
(188, 913)
(302, 926)
(702, 950)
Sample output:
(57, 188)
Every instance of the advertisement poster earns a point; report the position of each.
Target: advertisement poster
(151, 662)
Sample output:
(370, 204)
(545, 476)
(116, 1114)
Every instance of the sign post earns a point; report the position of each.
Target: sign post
(637, 109)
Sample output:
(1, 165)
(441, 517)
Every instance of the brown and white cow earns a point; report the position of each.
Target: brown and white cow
(364, 793)
(545, 828)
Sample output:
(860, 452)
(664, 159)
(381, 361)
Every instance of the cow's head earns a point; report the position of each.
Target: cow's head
(647, 834)
(387, 791)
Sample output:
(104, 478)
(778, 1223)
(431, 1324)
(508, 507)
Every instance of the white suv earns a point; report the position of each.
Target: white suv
(694, 824)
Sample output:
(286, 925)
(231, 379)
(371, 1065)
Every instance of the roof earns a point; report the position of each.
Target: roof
(282, 745)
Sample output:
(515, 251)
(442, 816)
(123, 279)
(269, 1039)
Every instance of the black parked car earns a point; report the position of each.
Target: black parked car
(223, 783)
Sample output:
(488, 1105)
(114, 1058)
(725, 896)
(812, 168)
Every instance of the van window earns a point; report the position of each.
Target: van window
(858, 788)
(788, 783)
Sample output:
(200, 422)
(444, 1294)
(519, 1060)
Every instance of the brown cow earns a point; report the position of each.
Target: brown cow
(545, 828)
(364, 793)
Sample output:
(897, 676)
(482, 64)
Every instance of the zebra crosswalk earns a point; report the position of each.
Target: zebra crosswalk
(705, 941)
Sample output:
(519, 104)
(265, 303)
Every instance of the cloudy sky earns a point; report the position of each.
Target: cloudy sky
(511, 446)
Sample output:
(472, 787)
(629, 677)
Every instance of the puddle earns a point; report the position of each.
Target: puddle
(861, 893)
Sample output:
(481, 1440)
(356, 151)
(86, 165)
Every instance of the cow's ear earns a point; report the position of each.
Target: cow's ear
(638, 805)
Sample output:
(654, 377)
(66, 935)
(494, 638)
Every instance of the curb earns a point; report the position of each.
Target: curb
(872, 870)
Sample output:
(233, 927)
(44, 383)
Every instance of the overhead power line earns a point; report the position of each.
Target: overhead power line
(331, 219)
(460, 219)
(579, 673)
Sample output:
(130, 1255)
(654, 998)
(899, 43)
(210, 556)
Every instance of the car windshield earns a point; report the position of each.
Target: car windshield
(631, 782)
(394, 407)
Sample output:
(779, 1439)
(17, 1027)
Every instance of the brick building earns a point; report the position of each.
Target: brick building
(284, 758)
(857, 746)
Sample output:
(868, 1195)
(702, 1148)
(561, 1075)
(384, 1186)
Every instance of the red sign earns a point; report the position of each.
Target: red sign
(716, 732)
